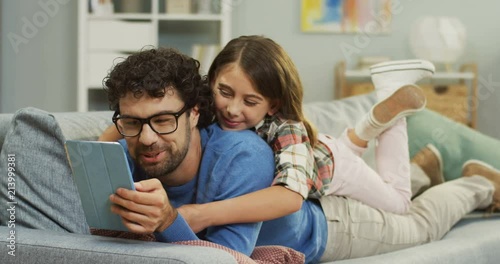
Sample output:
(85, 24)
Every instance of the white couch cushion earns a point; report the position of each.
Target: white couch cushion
(333, 117)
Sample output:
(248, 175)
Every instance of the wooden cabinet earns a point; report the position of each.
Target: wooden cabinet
(105, 39)
(453, 94)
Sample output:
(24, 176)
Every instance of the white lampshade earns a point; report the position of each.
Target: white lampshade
(438, 39)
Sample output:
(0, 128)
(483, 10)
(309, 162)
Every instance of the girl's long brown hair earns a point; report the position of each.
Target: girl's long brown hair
(272, 72)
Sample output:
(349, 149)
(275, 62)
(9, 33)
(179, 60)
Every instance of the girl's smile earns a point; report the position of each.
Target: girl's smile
(238, 104)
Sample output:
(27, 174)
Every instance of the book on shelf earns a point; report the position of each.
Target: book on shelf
(205, 54)
(178, 6)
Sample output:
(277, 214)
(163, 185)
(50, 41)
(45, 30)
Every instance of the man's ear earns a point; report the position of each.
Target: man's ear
(194, 116)
(274, 107)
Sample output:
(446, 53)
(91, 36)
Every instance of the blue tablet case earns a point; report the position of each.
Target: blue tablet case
(99, 168)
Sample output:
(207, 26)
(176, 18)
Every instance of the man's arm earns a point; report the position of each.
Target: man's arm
(294, 175)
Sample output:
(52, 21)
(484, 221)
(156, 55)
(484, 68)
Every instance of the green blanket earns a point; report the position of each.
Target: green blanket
(456, 142)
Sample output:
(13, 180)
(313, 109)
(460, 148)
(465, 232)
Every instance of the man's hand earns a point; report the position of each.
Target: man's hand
(145, 210)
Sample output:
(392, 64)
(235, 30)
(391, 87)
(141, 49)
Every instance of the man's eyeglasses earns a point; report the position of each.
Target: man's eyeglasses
(162, 123)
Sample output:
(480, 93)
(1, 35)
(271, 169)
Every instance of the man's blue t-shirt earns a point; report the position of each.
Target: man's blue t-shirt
(232, 164)
(305, 231)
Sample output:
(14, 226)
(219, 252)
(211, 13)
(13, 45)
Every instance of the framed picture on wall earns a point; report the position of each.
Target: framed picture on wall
(346, 16)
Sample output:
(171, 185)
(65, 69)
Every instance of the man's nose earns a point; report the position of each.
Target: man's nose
(148, 136)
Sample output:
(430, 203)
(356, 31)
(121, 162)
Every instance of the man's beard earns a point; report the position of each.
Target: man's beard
(171, 162)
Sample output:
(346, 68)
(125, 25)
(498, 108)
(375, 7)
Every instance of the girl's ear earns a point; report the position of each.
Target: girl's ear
(274, 107)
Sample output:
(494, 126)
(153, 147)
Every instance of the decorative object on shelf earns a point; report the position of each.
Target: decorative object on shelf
(346, 16)
(438, 39)
(131, 6)
(367, 61)
(101, 7)
(178, 6)
(204, 6)
(205, 54)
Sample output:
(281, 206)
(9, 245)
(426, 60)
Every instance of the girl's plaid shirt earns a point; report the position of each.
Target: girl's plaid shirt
(299, 167)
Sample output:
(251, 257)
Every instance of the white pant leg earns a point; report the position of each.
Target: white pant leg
(353, 178)
(357, 230)
(418, 178)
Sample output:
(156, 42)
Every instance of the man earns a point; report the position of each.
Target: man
(162, 108)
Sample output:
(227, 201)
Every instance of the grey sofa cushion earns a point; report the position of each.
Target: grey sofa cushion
(41, 167)
(74, 125)
(83, 126)
(4, 126)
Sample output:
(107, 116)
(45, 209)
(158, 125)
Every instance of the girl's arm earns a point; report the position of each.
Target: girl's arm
(266, 204)
(295, 159)
(110, 134)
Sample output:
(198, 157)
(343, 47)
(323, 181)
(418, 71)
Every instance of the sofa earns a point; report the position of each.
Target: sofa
(475, 239)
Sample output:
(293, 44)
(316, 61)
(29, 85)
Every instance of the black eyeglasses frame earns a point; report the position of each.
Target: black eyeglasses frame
(147, 120)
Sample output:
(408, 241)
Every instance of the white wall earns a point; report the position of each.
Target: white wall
(38, 54)
(316, 54)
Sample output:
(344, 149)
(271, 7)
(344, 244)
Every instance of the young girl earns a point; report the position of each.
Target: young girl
(256, 86)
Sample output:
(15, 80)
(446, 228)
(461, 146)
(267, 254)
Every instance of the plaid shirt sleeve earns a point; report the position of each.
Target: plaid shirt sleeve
(293, 155)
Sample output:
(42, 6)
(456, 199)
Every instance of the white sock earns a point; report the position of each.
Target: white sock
(366, 128)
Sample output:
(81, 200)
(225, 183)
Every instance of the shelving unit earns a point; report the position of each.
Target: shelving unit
(106, 39)
(453, 94)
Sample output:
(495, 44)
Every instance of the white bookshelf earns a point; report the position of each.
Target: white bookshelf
(104, 39)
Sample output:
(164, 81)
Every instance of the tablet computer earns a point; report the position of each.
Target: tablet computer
(99, 168)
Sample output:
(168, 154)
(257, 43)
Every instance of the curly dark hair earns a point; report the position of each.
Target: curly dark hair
(155, 70)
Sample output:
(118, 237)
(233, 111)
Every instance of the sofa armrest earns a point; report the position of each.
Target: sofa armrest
(43, 246)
